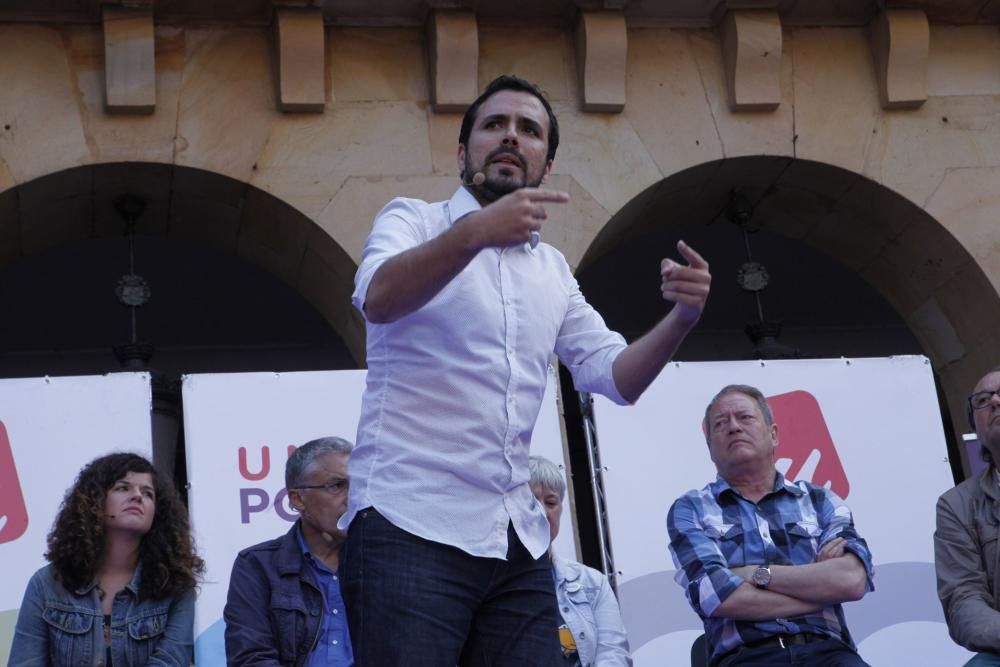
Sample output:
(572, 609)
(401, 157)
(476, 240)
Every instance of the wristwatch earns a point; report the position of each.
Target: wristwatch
(761, 576)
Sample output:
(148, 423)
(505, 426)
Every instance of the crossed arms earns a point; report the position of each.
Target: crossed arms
(839, 571)
(836, 576)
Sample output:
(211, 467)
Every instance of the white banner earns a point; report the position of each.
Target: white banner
(238, 429)
(871, 428)
(547, 440)
(50, 428)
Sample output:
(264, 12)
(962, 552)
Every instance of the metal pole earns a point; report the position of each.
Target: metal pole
(597, 489)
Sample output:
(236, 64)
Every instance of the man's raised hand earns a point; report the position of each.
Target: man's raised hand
(510, 220)
(686, 286)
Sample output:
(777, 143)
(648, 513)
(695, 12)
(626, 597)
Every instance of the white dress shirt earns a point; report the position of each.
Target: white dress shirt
(454, 388)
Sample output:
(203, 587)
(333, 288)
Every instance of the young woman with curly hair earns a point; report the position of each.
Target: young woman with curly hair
(119, 590)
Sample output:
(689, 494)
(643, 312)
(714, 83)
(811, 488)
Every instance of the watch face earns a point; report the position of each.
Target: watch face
(762, 576)
(752, 276)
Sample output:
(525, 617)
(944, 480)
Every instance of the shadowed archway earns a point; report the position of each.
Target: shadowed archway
(856, 269)
(240, 280)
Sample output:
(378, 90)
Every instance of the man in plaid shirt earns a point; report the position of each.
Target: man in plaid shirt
(766, 563)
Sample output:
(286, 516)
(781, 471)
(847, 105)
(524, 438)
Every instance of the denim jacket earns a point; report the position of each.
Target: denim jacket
(274, 608)
(588, 606)
(65, 628)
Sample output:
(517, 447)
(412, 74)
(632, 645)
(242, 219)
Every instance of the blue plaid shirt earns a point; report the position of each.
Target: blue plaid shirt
(716, 528)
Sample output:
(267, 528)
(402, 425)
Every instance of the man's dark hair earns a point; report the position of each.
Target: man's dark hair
(510, 82)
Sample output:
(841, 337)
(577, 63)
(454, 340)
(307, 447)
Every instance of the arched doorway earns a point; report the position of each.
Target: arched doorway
(239, 281)
(856, 269)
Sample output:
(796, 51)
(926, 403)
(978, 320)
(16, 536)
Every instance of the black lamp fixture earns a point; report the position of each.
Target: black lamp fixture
(132, 291)
(753, 277)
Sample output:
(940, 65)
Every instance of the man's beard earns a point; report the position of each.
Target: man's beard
(495, 187)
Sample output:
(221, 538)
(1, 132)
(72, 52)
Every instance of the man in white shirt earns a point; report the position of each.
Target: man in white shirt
(445, 558)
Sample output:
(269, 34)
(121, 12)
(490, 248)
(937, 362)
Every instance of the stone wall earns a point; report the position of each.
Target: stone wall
(216, 110)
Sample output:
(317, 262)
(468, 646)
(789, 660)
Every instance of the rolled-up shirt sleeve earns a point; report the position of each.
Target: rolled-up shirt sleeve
(396, 228)
(588, 347)
(837, 521)
(702, 570)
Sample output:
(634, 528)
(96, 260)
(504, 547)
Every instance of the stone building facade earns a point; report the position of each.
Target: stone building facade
(873, 138)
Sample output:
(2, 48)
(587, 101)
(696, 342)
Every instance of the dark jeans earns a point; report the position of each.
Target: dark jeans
(826, 653)
(419, 603)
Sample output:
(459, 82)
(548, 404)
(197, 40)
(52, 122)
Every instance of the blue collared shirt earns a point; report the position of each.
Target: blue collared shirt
(333, 648)
(454, 388)
(715, 529)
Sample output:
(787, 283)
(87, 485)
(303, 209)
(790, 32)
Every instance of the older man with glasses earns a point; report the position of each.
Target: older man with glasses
(966, 553)
(284, 605)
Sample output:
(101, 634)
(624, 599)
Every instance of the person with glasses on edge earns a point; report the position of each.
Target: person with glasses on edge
(966, 549)
(284, 605)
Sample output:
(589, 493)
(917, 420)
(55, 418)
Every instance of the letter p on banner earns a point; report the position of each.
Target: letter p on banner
(13, 512)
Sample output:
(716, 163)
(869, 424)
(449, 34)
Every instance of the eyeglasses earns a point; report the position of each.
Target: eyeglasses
(981, 399)
(334, 487)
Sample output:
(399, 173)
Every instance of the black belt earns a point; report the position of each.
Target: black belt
(784, 641)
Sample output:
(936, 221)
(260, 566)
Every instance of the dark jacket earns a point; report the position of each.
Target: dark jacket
(274, 608)
(967, 560)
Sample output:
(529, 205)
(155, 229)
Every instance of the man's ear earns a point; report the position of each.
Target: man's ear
(295, 499)
(548, 170)
(461, 160)
(774, 435)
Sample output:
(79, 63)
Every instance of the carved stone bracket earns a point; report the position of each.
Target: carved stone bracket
(129, 59)
(453, 50)
(301, 53)
(751, 53)
(601, 47)
(900, 44)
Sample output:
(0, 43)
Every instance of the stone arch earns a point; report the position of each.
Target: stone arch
(228, 216)
(910, 258)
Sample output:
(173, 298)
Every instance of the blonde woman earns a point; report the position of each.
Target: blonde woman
(592, 632)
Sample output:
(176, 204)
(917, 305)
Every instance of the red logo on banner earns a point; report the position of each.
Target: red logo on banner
(804, 439)
(13, 513)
